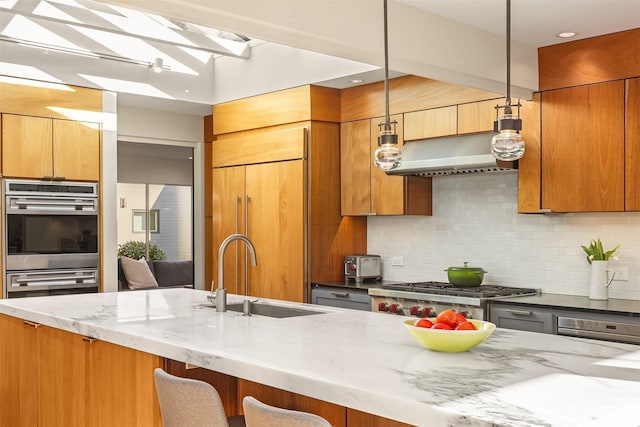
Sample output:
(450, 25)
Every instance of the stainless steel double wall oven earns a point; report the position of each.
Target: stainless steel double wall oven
(49, 237)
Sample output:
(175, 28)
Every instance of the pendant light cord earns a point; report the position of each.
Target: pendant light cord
(508, 91)
(387, 125)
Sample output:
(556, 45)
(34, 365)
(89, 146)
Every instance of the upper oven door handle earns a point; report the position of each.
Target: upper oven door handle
(51, 205)
(55, 278)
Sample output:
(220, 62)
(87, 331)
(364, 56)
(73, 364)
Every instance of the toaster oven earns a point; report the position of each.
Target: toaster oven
(360, 267)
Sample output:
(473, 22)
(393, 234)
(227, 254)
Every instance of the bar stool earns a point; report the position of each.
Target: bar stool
(258, 414)
(186, 402)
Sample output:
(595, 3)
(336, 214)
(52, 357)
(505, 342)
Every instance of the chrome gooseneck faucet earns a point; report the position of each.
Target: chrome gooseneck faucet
(221, 292)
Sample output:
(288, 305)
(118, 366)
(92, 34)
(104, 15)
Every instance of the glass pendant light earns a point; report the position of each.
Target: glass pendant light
(508, 144)
(387, 156)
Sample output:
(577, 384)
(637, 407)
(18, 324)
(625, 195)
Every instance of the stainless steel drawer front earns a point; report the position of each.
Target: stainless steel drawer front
(614, 331)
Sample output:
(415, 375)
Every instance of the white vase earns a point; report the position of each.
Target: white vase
(599, 280)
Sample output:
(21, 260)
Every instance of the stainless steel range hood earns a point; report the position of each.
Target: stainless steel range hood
(451, 155)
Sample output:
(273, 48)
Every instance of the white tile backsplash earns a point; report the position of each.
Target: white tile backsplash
(475, 219)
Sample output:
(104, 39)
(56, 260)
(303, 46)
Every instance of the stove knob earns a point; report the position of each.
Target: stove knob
(428, 312)
(352, 267)
(414, 310)
(395, 308)
(383, 306)
(466, 314)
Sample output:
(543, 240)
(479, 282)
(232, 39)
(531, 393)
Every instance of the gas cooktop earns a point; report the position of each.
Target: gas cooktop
(444, 288)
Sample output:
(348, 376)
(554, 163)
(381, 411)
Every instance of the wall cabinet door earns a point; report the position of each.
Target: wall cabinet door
(632, 146)
(275, 225)
(583, 148)
(76, 150)
(477, 116)
(430, 123)
(38, 147)
(26, 146)
(355, 167)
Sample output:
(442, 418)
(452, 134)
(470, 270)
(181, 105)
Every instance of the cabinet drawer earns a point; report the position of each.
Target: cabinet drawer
(341, 297)
(522, 318)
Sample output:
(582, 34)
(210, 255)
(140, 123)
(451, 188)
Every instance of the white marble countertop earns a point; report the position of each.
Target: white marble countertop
(367, 361)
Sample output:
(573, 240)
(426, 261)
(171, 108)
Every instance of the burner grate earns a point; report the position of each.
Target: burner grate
(444, 288)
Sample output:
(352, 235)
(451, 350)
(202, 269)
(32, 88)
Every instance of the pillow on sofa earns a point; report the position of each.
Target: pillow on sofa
(173, 273)
(138, 273)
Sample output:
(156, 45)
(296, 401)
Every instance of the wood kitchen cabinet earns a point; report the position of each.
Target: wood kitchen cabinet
(583, 148)
(367, 190)
(40, 147)
(49, 377)
(477, 117)
(632, 145)
(430, 123)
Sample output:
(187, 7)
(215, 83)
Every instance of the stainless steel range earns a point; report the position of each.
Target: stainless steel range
(427, 299)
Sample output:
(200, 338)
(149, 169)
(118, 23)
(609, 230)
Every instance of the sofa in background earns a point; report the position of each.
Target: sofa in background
(168, 274)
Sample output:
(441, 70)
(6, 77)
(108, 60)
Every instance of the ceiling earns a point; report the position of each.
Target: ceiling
(293, 42)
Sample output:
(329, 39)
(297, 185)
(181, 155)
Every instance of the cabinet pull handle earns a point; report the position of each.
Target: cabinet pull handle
(58, 178)
(31, 324)
(518, 312)
(247, 199)
(238, 201)
(90, 340)
(340, 294)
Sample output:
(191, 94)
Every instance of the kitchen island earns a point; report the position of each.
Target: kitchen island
(365, 361)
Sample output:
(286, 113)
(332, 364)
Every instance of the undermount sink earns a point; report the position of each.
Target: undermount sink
(270, 310)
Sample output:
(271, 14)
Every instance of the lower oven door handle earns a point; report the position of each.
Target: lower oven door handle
(54, 278)
(52, 203)
(602, 335)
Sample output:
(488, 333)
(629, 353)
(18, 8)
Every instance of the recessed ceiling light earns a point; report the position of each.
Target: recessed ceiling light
(355, 81)
(566, 34)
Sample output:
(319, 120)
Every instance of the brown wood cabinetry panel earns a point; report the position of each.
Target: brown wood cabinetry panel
(355, 167)
(270, 109)
(632, 146)
(76, 150)
(387, 192)
(260, 148)
(229, 217)
(596, 59)
(529, 166)
(363, 419)
(430, 123)
(18, 379)
(121, 387)
(583, 148)
(276, 208)
(26, 146)
(477, 116)
(335, 414)
(418, 195)
(407, 93)
(62, 359)
(276, 108)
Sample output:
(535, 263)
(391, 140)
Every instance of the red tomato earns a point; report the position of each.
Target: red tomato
(442, 325)
(448, 317)
(423, 323)
(466, 326)
(460, 318)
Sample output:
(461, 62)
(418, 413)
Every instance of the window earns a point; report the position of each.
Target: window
(140, 220)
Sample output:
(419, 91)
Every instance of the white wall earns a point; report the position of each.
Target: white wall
(474, 219)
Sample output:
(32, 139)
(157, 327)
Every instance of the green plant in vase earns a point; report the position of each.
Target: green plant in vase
(595, 251)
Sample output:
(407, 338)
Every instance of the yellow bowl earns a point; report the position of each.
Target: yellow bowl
(450, 341)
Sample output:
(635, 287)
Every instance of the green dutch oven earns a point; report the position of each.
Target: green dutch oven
(465, 277)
